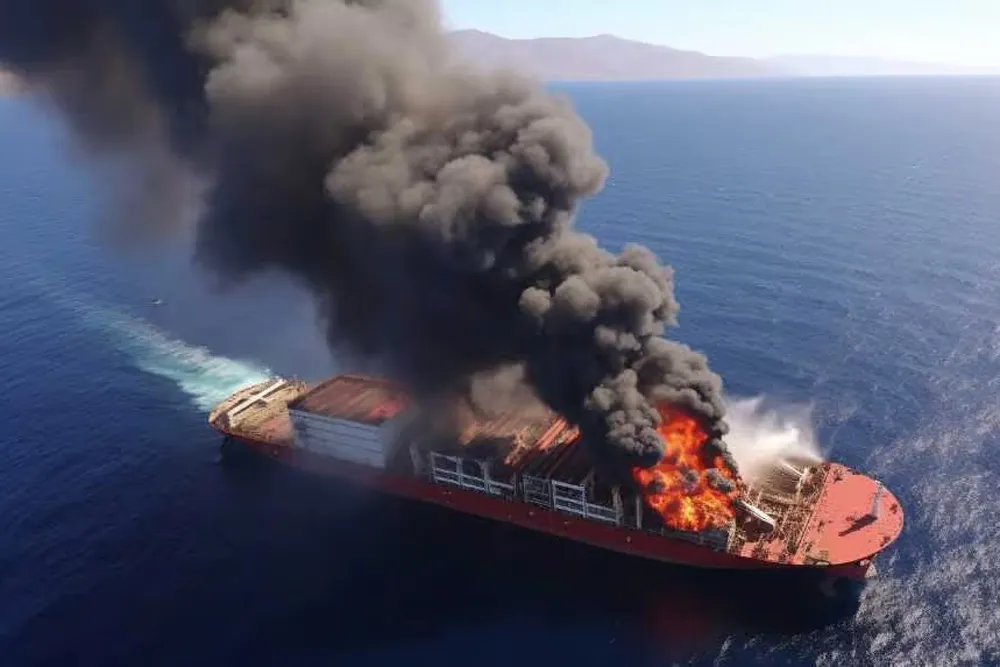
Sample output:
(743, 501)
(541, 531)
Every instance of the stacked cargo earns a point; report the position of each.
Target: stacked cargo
(350, 419)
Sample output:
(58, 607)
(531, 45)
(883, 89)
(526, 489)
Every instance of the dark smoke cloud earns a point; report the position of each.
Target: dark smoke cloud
(718, 482)
(427, 207)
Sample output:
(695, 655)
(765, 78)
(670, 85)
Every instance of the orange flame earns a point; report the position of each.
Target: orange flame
(386, 410)
(677, 487)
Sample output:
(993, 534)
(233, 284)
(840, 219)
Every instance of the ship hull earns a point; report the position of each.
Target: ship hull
(627, 541)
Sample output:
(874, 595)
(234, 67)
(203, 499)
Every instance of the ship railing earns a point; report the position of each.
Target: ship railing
(502, 489)
(450, 470)
(495, 487)
(537, 491)
(498, 488)
(572, 499)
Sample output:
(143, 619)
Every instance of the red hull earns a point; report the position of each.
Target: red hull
(624, 540)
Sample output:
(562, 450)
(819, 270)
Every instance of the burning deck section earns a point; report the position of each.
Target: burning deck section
(536, 457)
(693, 488)
(533, 456)
(801, 516)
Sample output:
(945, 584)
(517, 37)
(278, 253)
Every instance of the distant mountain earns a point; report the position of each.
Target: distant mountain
(603, 57)
(606, 57)
(809, 65)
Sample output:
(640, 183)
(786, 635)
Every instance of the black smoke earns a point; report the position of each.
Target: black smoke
(428, 207)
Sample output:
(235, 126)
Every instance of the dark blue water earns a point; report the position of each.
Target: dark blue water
(835, 242)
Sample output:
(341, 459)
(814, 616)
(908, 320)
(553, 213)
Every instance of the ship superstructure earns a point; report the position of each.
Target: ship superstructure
(531, 468)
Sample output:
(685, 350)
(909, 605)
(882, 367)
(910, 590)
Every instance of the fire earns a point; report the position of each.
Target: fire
(677, 487)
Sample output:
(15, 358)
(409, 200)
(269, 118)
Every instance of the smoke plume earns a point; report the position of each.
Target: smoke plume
(763, 436)
(427, 206)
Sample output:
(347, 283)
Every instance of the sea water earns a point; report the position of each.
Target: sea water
(837, 255)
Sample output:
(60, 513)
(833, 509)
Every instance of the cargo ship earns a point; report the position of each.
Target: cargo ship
(531, 469)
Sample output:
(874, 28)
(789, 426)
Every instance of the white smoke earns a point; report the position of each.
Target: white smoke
(760, 437)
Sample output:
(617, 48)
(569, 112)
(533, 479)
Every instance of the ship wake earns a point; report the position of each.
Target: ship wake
(206, 378)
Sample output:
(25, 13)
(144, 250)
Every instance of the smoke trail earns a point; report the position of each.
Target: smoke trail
(428, 207)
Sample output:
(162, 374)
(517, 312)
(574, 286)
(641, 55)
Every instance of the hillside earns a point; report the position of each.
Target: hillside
(603, 57)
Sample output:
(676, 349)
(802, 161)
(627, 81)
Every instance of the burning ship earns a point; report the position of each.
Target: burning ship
(531, 469)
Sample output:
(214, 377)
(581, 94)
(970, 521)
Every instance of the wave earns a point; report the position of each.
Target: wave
(938, 605)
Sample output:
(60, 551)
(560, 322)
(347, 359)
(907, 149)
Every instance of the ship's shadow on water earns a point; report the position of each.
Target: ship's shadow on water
(406, 572)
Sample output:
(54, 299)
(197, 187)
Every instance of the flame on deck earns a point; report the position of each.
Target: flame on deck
(386, 410)
(678, 486)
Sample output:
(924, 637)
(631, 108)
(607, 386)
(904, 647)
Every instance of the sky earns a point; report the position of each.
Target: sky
(957, 32)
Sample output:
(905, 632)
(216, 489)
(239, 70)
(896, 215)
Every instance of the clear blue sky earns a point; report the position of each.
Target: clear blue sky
(961, 32)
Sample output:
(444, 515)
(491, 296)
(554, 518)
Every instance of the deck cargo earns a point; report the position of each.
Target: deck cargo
(530, 468)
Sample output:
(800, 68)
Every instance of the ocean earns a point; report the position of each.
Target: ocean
(836, 243)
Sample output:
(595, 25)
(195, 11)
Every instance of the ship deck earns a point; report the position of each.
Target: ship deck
(839, 516)
(259, 412)
(532, 441)
(836, 516)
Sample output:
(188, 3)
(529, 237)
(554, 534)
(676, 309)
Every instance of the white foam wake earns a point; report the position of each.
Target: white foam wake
(761, 437)
(205, 377)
